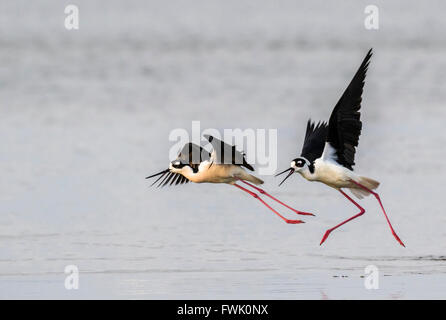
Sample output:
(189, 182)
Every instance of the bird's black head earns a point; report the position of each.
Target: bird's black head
(297, 165)
(178, 164)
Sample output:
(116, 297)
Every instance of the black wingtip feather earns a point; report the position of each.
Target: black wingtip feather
(156, 174)
(168, 179)
(158, 179)
(161, 174)
(175, 179)
(165, 177)
(314, 141)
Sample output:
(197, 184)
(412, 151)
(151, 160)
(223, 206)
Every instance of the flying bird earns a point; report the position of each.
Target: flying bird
(328, 151)
(224, 164)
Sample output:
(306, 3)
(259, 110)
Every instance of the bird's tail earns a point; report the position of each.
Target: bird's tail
(253, 179)
(366, 182)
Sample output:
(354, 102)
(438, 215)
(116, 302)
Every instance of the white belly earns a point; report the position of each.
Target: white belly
(332, 174)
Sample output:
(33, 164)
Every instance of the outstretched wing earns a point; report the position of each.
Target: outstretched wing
(168, 177)
(224, 153)
(344, 127)
(314, 142)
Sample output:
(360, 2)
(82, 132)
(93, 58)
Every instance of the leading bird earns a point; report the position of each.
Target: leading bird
(224, 165)
(328, 152)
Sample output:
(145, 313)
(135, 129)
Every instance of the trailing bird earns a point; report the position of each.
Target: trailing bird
(328, 152)
(224, 165)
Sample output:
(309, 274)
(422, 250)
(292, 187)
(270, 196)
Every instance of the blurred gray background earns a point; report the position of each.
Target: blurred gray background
(85, 116)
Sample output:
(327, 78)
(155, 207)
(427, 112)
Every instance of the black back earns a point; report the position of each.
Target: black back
(344, 127)
(314, 142)
(193, 155)
(227, 154)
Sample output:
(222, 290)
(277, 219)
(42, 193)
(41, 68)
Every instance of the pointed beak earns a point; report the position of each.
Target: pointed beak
(291, 171)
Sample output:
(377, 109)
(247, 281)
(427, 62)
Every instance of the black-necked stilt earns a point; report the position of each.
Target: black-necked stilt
(224, 165)
(329, 149)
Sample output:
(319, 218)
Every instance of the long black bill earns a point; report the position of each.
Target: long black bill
(162, 173)
(291, 170)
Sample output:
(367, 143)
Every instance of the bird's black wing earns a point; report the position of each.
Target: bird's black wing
(344, 127)
(314, 142)
(191, 154)
(227, 154)
(166, 176)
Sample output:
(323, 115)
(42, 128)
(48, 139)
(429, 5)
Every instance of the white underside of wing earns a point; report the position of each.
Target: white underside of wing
(329, 153)
(330, 172)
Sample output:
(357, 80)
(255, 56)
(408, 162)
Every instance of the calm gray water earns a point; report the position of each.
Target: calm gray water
(85, 116)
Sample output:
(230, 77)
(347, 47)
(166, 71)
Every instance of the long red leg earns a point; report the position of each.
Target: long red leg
(384, 211)
(255, 195)
(327, 233)
(275, 199)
